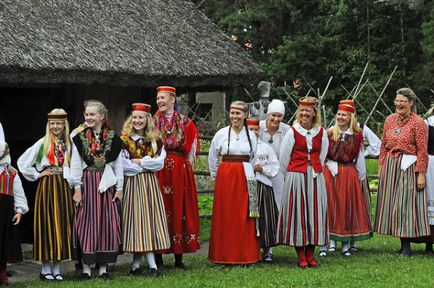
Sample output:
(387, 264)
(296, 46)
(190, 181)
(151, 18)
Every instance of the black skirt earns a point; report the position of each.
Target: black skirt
(10, 247)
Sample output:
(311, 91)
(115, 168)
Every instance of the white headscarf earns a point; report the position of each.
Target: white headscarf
(5, 158)
(276, 106)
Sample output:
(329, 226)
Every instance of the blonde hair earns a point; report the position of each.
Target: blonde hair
(242, 104)
(65, 133)
(98, 104)
(354, 127)
(150, 131)
(317, 118)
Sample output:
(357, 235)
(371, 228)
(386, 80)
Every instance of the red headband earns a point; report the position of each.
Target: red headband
(303, 102)
(141, 107)
(252, 122)
(168, 89)
(347, 108)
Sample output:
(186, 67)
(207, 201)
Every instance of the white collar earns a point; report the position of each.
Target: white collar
(347, 132)
(313, 132)
(279, 130)
(135, 137)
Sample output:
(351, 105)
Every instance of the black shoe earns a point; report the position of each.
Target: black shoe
(136, 272)
(46, 277)
(104, 276)
(84, 276)
(9, 273)
(154, 273)
(78, 266)
(58, 277)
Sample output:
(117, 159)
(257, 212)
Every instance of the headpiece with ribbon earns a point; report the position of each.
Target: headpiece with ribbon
(167, 89)
(252, 122)
(308, 101)
(54, 117)
(347, 106)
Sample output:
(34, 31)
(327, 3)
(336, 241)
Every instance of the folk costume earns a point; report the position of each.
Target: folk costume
(348, 214)
(235, 210)
(303, 213)
(275, 141)
(2, 133)
(268, 211)
(53, 201)
(12, 201)
(177, 183)
(144, 224)
(97, 168)
(401, 207)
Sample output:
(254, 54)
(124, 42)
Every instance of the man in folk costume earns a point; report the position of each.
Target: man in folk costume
(347, 209)
(271, 131)
(303, 212)
(266, 167)
(181, 141)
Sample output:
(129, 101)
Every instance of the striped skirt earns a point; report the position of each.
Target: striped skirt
(268, 216)
(144, 224)
(401, 209)
(367, 193)
(97, 224)
(10, 248)
(303, 212)
(53, 219)
(348, 214)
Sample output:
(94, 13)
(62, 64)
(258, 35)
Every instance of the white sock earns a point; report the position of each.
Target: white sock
(270, 250)
(102, 269)
(323, 248)
(332, 244)
(137, 257)
(345, 246)
(46, 269)
(150, 258)
(353, 244)
(56, 267)
(86, 269)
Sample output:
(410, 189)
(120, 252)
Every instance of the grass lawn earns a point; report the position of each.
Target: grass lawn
(376, 264)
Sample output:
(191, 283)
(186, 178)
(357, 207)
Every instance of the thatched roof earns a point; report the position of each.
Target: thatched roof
(117, 42)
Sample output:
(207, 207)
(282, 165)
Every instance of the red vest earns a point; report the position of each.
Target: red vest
(300, 156)
(7, 183)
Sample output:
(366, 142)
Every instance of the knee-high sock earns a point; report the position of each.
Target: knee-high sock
(301, 253)
(46, 269)
(345, 247)
(150, 258)
(137, 257)
(86, 269)
(102, 269)
(56, 267)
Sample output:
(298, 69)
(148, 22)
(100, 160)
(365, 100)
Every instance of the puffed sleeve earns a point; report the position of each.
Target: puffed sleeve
(130, 168)
(421, 135)
(76, 167)
(20, 200)
(118, 169)
(272, 166)
(2, 133)
(214, 152)
(324, 147)
(27, 161)
(360, 163)
(155, 163)
(286, 149)
(374, 142)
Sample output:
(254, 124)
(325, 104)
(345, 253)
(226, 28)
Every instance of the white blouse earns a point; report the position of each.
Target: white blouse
(2, 133)
(266, 157)
(31, 170)
(147, 164)
(277, 138)
(239, 145)
(288, 143)
(20, 200)
(374, 142)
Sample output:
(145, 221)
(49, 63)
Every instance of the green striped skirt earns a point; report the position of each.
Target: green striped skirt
(144, 224)
(401, 208)
(53, 219)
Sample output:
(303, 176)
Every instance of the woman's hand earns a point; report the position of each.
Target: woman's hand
(420, 181)
(118, 195)
(258, 168)
(17, 218)
(78, 197)
(46, 172)
(136, 161)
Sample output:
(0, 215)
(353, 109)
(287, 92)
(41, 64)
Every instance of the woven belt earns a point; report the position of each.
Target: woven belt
(94, 168)
(56, 170)
(235, 158)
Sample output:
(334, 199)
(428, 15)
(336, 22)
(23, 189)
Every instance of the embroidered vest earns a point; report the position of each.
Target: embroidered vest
(301, 158)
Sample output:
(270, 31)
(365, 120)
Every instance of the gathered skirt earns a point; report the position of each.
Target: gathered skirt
(303, 212)
(178, 187)
(233, 233)
(348, 214)
(10, 248)
(97, 224)
(53, 219)
(268, 216)
(144, 225)
(401, 208)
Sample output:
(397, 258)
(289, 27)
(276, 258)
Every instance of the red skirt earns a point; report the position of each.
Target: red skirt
(348, 214)
(178, 187)
(233, 233)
